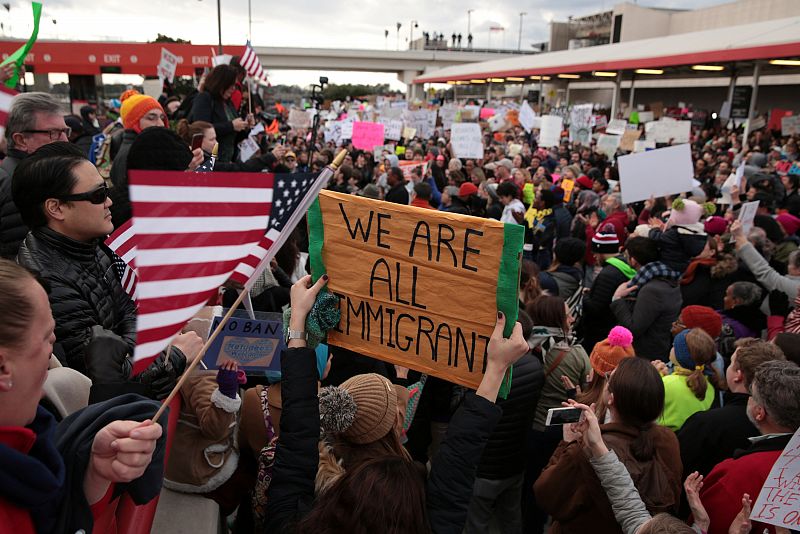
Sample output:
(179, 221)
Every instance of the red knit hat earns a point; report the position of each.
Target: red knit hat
(467, 189)
(789, 222)
(607, 354)
(585, 182)
(704, 318)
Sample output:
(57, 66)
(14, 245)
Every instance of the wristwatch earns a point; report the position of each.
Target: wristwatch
(295, 334)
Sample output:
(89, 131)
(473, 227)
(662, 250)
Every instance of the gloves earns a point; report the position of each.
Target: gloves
(162, 375)
(106, 357)
(228, 382)
(778, 303)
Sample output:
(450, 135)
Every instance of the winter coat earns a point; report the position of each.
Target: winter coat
(575, 364)
(397, 194)
(456, 206)
(650, 316)
(210, 109)
(678, 245)
(84, 291)
(205, 436)
(563, 221)
(12, 229)
(709, 437)
(598, 320)
(746, 472)
(767, 276)
(708, 283)
(745, 321)
(291, 492)
(569, 490)
(562, 282)
(121, 209)
(504, 455)
(680, 402)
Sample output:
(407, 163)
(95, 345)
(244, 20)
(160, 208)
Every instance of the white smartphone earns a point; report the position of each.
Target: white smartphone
(562, 416)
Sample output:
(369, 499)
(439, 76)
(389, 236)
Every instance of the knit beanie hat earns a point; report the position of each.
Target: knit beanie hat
(704, 318)
(134, 107)
(688, 212)
(715, 225)
(681, 349)
(363, 409)
(607, 354)
(789, 222)
(605, 241)
(160, 149)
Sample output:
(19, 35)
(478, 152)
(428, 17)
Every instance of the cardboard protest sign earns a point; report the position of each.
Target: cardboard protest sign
(367, 135)
(393, 129)
(779, 501)
(628, 138)
(790, 125)
(408, 165)
(346, 126)
(298, 118)
(448, 116)
(550, 133)
(466, 140)
(167, 66)
(600, 121)
(657, 108)
(580, 124)
(409, 133)
(656, 173)
(405, 276)
(643, 146)
(526, 116)
(608, 144)
(568, 186)
(254, 344)
(497, 123)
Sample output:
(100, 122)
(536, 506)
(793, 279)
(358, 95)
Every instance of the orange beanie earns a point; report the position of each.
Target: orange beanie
(137, 106)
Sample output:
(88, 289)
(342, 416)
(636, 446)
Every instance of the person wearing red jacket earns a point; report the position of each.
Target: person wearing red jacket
(774, 408)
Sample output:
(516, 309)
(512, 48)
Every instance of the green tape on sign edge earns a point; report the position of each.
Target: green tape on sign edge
(508, 287)
(316, 239)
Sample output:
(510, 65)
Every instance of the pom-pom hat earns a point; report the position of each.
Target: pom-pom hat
(607, 354)
(362, 409)
(605, 241)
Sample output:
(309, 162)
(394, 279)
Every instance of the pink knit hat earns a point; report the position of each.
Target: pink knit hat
(688, 212)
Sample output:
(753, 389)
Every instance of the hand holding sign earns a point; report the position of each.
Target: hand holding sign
(503, 353)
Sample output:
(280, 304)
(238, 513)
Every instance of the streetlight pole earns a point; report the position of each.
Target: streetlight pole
(414, 24)
(519, 43)
(398, 35)
(469, 21)
(219, 26)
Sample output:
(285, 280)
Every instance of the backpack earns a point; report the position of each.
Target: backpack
(726, 343)
(101, 152)
(575, 306)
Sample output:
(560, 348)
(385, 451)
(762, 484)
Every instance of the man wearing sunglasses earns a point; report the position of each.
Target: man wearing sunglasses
(35, 119)
(64, 200)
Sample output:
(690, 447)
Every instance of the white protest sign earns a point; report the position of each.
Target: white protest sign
(646, 116)
(676, 131)
(747, 214)
(608, 144)
(497, 122)
(580, 124)
(600, 121)
(448, 116)
(537, 123)
(656, 173)
(643, 146)
(298, 118)
(257, 129)
(223, 59)
(734, 179)
(777, 503)
(526, 116)
(333, 132)
(393, 129)
(790, 125)
(167, 66)
(550, 133)
(247, 149)
(467, 140)
(347, 128)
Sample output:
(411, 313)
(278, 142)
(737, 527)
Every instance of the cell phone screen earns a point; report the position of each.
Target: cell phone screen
(563, 416)
(197, 141)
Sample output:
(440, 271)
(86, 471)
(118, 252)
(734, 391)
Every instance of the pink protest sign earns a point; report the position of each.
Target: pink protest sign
(367, 135)
(487, 112)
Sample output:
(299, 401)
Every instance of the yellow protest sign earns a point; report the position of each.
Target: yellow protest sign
(418, 288)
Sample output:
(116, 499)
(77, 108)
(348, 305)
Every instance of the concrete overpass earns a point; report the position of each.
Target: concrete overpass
(407, 64)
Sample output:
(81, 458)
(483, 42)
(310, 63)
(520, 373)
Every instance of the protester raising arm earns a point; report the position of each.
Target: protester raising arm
(766, 275)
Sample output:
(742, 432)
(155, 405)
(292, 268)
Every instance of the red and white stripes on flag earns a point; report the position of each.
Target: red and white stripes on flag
(6, 99)
(252, 64)
(192, 230)
(123, 245)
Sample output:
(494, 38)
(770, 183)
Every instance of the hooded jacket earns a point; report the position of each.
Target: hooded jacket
(12, 229)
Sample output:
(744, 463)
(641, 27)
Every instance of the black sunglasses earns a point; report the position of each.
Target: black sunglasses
(95, 196)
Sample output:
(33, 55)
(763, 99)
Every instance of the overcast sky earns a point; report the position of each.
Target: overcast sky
(307, 23)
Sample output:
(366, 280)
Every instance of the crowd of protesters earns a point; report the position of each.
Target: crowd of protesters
(673, 330)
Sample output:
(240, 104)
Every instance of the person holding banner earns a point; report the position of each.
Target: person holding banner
(440, 505)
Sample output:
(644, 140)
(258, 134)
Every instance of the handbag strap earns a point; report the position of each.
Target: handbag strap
(553, 366)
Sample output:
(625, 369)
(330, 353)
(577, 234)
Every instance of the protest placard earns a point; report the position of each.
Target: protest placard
(617, 126)
(448, 116)
(778, 502)
(298, 118)
(646, 116)
(643, 145)
(775, 116)
(526, 116)
(409, 165)
(790, 125)
(580, 124)
(409, 133)
(568, 186)
(255, 344)
(550, 133)
(536, 124)
(608, 144)
(600, 121)
(497, 123)
(167, 66)
(346, 126)
(247, 149)
(657, 108)
(656, 173)
(628, 138)
(747, 214)
(393, 129)
(734, 179)
(404, 277)
(367, 135)
(485, 113)
(466, 140)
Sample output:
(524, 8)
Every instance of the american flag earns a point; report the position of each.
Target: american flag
(123, 249)
(293, 194)
(6, 99)
(252, 64)
(191, 232)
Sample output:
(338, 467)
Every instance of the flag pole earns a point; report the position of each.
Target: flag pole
(185, 376)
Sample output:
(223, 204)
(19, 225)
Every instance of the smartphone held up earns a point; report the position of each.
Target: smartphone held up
(562, 416)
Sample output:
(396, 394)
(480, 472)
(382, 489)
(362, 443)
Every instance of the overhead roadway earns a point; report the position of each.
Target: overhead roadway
(757, 49)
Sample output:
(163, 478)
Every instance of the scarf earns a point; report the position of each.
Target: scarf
(535, 218)
(547, 338)
(688, 276)
(654, 269)
(35, 481)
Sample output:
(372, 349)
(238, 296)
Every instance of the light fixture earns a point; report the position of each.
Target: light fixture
(649, 71)
(477, 81)
(495, 80)
(605, 74)
(514, 79)
(712, 68)
(452, 82)
(569, 76)
(785, 62)
(545, 78)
